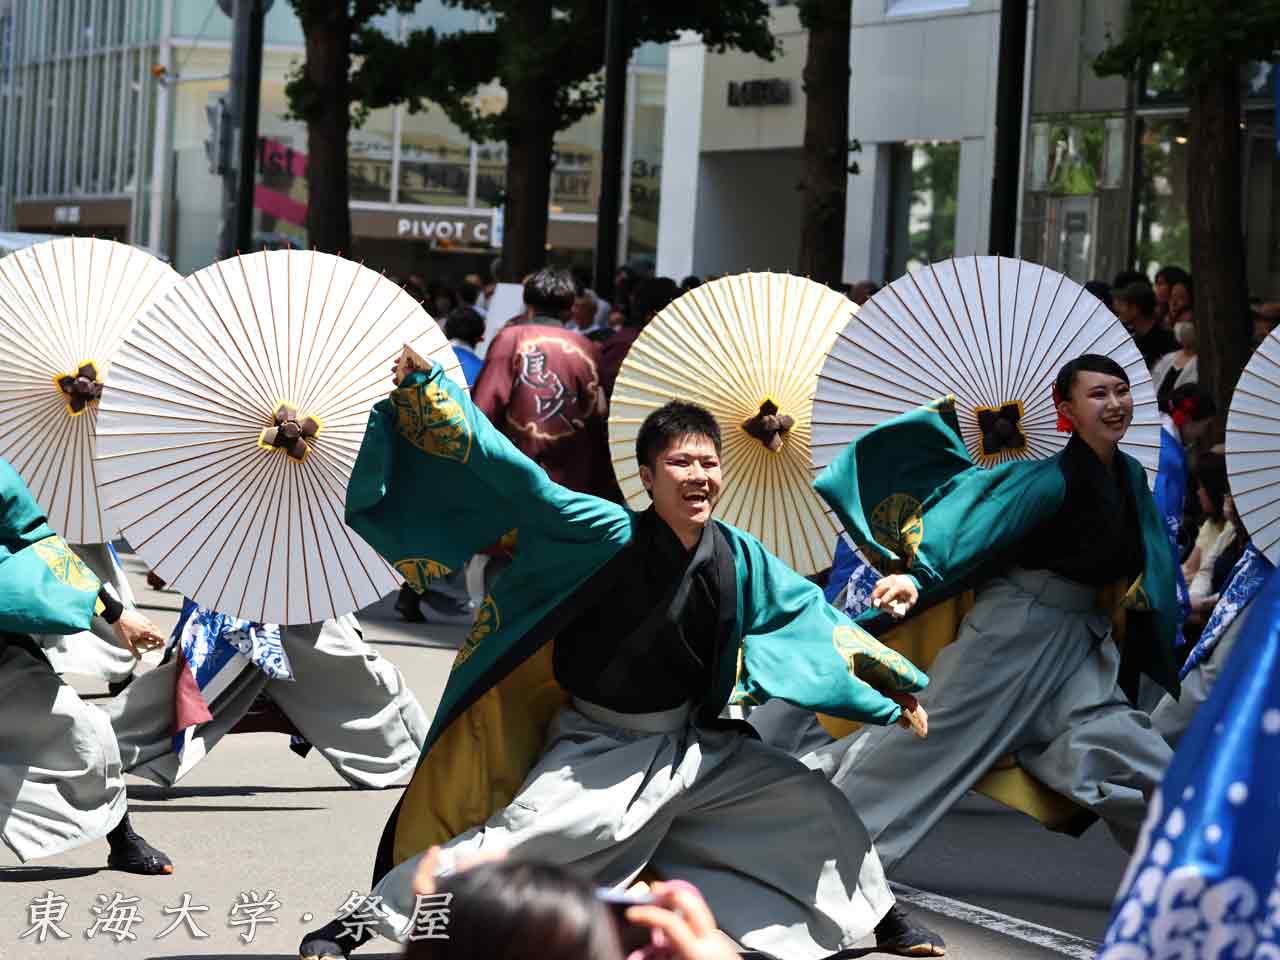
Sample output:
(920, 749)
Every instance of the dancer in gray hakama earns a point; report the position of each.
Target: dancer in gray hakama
(345, 699)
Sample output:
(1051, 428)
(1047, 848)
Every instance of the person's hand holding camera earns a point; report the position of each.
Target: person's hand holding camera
(682, 924)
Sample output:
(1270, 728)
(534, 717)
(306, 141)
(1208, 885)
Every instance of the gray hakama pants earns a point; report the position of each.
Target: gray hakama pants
(61, 783)
(784, 863)
(347, 700)
(1032, 672)
(94, 652)
(1172, 717)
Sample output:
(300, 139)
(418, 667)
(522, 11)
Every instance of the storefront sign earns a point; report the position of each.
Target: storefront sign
(472, 231)
(760, 93)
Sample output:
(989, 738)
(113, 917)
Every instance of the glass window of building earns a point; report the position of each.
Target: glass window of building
(925, 180)
(1163, 230)
(646, 163)
(369, 149)
(281, 196)
(491, 174)
(575, 171)
(435, 159)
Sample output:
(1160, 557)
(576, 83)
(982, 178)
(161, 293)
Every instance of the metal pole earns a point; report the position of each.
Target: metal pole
(615, 94)
(246, 87)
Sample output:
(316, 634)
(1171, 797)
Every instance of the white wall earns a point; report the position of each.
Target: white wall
(925, 77)
(681, 138)
(748, 212)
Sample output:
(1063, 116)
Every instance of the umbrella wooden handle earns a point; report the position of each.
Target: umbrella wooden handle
(768, 426)
(82, 387)
(291, 432)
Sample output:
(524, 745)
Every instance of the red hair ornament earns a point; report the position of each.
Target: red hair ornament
(1185, 411)
(1064, 425)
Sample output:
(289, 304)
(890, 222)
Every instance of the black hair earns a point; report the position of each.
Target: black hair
(1086, 363)
(1127, 278)
(1172, 275)
(669, 423)
(520, 910)
(1100, 289)
(463, 323)
(1211, 475)
(691, 281)
(651, 296)
(549, 291)
(469, 294)
(1140, 295)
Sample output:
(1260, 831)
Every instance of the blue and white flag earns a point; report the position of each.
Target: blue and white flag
(1247, 577)
(849, 569)
(1204, 880)
(213, 649)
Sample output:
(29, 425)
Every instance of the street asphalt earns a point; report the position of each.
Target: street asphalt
(254, 824)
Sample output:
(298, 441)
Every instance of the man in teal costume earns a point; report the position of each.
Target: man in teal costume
(1064, 553)
(581, 724)
(61, 781)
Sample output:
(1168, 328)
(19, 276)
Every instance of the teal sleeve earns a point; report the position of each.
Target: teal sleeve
(797, 647)
(44, 586)
(980, 516)
(435, 482)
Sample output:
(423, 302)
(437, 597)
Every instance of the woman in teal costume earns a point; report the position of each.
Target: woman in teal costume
(1034, 670)
(79, 794)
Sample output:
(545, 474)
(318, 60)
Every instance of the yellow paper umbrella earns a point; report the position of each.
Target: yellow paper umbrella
(748, 348)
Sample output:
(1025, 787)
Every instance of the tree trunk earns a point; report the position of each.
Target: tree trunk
(1217, 233)
(529, 146)
(826, 139)
(328, 39)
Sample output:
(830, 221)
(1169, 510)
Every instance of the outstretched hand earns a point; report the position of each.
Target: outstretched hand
(895, 593)
(137, 634)
(913, 716)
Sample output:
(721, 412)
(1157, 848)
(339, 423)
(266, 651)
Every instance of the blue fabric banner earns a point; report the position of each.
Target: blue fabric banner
(1203, 880)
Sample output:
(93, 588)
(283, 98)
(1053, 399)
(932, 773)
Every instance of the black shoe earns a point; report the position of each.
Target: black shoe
(896, 933)
(407, 605)
(116, 687)
(131, 854)
(332, 941)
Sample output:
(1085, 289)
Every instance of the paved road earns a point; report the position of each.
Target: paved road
(255, 817)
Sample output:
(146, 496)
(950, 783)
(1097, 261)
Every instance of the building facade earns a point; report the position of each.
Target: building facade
(1102, 173)
(92, 141)
(922, 106)
(1104, 179)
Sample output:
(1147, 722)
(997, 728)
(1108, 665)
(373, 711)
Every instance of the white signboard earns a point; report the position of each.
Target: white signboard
(507, 302)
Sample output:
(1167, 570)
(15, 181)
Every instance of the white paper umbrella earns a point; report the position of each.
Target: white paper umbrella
(1253, 447)
(992, 331)
(65, 307)
(736, 345)
(235, 412)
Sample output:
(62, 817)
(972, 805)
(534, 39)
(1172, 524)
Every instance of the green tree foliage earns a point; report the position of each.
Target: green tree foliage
(1208, 44)
(546, 54)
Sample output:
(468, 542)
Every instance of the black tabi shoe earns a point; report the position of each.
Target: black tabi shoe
(408, 605)
(131, 854)
(898, 934)
(332, 941)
